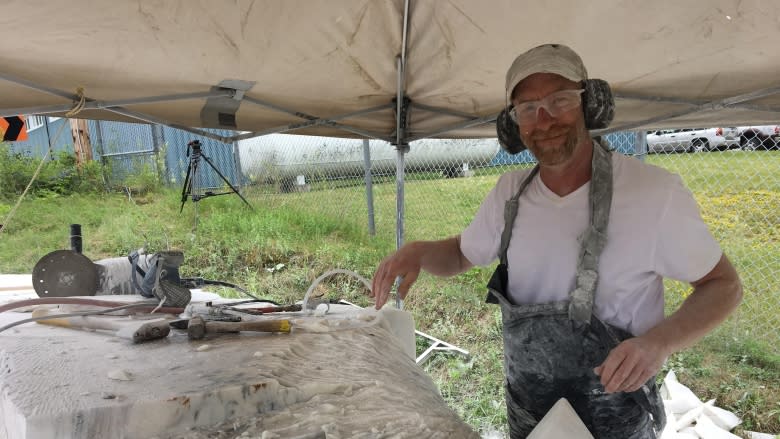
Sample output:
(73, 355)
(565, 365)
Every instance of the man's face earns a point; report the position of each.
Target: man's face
(552, 139)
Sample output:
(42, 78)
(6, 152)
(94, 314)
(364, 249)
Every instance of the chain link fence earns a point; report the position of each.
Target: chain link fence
(734, 173)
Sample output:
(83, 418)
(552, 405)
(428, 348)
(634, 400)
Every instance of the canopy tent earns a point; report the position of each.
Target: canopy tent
(396, 70)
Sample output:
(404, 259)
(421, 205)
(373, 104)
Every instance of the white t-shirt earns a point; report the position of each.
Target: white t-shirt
(655, 230)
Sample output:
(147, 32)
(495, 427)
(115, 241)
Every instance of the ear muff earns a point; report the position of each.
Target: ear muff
(598, 107)
(598, 104)
(508, 133)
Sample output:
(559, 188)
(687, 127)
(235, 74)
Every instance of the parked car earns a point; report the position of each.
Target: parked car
(759, 137)
(692, 140)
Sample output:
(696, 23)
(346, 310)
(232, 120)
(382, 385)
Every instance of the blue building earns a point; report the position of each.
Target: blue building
(129, 147)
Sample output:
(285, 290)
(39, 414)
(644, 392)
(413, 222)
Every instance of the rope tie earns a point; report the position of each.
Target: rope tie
(79, 105)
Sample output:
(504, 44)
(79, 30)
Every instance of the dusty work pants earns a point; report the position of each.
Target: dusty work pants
(547, 356)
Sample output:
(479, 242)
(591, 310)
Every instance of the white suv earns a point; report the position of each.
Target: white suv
(692, 140)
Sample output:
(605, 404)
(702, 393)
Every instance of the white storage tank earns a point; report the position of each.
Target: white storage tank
(278, 157)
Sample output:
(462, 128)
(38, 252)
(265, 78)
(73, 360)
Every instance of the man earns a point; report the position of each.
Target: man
(584, 241)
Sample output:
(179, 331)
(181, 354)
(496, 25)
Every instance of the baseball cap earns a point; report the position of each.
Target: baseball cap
(547, 58)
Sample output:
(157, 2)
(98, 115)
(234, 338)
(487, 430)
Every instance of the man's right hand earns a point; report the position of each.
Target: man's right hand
(440, 258)
(406, 262)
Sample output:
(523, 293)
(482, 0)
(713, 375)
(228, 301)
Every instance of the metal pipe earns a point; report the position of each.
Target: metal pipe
(369, 187)
(405, 32)
(399, 175)
(401, 144)
(279, 108)
(670, 100)
(101, 151)
(358, 131)
(315, 122)
(102, 105)
(151, 119)
(48, 136)
(237, 165)
(640, 145)
(399, 220)
(707, 106)
(439, 110)
(131, 153)
(34, 86)
(466, 124)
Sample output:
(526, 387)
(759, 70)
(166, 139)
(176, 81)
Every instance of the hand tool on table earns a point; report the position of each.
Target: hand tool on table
(137, 331)
(183, 323)
(197, 327)
(261, 310)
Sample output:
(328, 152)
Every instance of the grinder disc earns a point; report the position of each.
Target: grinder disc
(65, 273)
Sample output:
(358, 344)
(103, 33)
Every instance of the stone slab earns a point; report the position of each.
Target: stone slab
(345, 374)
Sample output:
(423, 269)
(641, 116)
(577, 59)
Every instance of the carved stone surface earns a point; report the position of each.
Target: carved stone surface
(346, 374)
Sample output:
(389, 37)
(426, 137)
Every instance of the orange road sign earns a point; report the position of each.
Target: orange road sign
(13, 129)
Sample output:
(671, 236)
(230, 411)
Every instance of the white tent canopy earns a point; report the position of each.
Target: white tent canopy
(337, 67)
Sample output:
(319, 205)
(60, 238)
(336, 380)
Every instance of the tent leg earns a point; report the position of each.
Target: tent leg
(400, 175)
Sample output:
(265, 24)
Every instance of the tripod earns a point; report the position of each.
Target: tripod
(192, 175)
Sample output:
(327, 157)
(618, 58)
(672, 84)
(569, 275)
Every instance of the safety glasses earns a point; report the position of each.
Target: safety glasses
(555, 104)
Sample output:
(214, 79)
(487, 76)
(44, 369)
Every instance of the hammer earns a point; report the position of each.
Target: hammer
(137, 331)
(197, 328)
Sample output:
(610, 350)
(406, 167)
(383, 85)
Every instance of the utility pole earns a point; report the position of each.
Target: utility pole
(82, 147)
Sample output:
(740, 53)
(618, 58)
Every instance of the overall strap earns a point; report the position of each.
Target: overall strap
(510, 213)
(594, 238)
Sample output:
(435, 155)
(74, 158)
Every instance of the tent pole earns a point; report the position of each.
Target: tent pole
(706, 106)
(466, 124)
(151, 119)
(401, 144)
(316, 122)
(689, 102)
(401, 147)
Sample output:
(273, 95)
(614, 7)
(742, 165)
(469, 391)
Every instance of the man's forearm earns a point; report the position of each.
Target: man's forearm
(443, 258)
(712, 300)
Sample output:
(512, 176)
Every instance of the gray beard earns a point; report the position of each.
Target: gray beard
(557, 155)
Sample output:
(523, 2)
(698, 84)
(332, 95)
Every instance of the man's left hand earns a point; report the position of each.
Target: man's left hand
(630, 364)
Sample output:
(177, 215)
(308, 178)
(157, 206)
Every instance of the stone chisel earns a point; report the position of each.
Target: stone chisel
(136, 330)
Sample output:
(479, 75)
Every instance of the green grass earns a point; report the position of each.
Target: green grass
(312, 232)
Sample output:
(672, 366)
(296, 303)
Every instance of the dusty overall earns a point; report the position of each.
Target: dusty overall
(550, 349)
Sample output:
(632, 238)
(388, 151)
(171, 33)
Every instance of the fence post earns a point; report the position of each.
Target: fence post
(640, 145)
(100, 151)
(239, 173)
(369, 187)
(48, 137)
